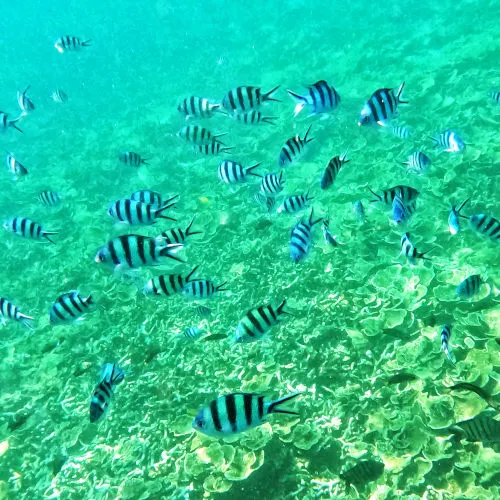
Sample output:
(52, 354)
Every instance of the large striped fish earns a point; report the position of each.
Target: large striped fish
(111, 376)
(320, 98)
(237, 412)
(10, 311)
(301, 238)
(381, 106)
(482, 428)
(272, 184)
(70, 306)
(469, 286)
(28, 229)
(487, 225)
(246, 98)
(168, 284)
(294, 148)
(149, 197)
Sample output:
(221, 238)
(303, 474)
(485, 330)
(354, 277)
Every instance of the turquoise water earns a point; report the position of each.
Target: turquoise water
(361, 312)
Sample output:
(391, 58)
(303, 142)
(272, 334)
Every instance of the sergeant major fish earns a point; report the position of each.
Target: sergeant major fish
(69, 306)
(408, 249)
(253, 117)
(301, 238)
(25, 103)
(332, 170)
(454, 217)
(111, 376)
(178, 235)
(381, 106)
(365, 471)
(293, 204)
(233, 172)
(15, 167)
(132, 159)
(168, 284)
(135, 212)
(198, 107)
(201, 289)
(487, 225)
(28, 229)
(271, 184)
(49, 198)
(198, 135)
(445, 343)
(469, 286)
(482, 428)
(10, 311)
(405, 193)
(246, 98)
(402, 212)
(418, 161)
(450, 141)
(58, 95)
(5, 123)
(293, 149)
(212, 148)
(149, 197)
(70, 43)
(320, 98)
(329, 238)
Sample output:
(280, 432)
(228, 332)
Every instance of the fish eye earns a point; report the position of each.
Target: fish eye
(100, 257)
(198, 422)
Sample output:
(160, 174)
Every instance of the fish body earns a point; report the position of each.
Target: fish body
(198, 107)
(254, 117)
(212, 148)
(454, 217)
(10, 311)
(25, 103)
(418, 161)
(445, 343)
(401, 132)
(484, 395)
(320, 98)
(402, 212)
(111, 376)
(28, 229)
(332, 170)
(138, 213)
(5, 123)
(359, 210)
(203, 310)
(198, 135)
(272, 184)
(58, 95)
(192, 333)
(246, 98)
(237, 412)
(268, 201)
(201, 289)
(15, 167)
(69, 306)
(293, 149)
(409, 250)
(495, 96)
(293, 204)
(177, 235)
(168, 284)
(401, 377)
(233, 172)
(487, 225)
(69, 43)
(482, 428)
(406, 193)
(329, 238)
(149, 197)
(450, 141)
(381, 106)
(365, 471)
(301, 238)
(49, 198)
(132, 159)
(469, 286)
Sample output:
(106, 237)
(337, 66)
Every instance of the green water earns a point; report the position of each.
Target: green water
(361, 313)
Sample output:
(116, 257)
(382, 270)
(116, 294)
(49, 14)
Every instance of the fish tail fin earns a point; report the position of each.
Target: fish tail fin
(221, 288)
(306, 139)
(189, 276)
(273, 407)
(46, 235)
(169, 250)
(144, 161)
(281, 309)
(268, 96)
(90, 300)
(379, 198)
(12, 123)
(462, 206)
(422, 255)
(269, 119)
(295, 96)
(249, 169)
(399, 93)
(26, 321)
(87, 43)
(226, 149)
(312, 222)
(188, 231)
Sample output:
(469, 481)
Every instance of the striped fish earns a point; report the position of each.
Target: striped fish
(267, 201)
(5, 123)
(233, 172)
(243, 99)
(27, 228)
(15, 167)
(418, 161)
(364, 472)
(320, 98)
(58, 95)
(69, 306)
(237, 412)
(212, 149)
(111, 376)
(487, 225)
(381, 106)
(177, 235)
(132, 250)
(293, 149)
(469, 286)
(198, 135)
(401, 132)
(192, 333)
(10, 311)
(257, 322)
(132, 159)
(402, 212)
(359, 210)
(203, 310)
(408, 249)
(332, 170)
(201, 289)
(271, 184)
(25, 103)
(482, 428)
(253, 117)
(293, 204)
(495, 96)
(329, 238)
(450, 141)
(168, 284)
(197, 107)
(70, 43)
(149, 197)
(406, 193)
(135, 212)
(49, 198)
(301, 238)
(445, 334)
(454, 217)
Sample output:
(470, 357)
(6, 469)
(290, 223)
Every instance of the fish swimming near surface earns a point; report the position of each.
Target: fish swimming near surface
(15, 167)
(168, 284)
(482, 428)
(58, 95)
(177, 234)
(445, 334)
(301, 238)
(5, 123)
(49, 198)
(149, 197)
(25, 103)
(294, 148)
(28, 229)
(320, 98)
(272, 184)
(450, 141)
(111, 376)
(484, 395)
(233, 172)
(486, 225)
(293, 204)
(9, 311)
(70, 43)
(201, 289)
(253, 117)
(469, 286)
(381, 106)
(138, 213)
(246, 98)
(198, 135)
(406, 193)
(418, 161)
(410, 251)
(454, 217)
(237, 412)
(364, 472)
(198, 107)
(70, 306)
(132, 159)
(332, 169)
(402, 212)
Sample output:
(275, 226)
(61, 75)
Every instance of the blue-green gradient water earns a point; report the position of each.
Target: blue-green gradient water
(361, 313)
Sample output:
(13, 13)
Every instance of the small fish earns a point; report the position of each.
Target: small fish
(212, 149)
(482, 428)
(418, 161)
(445, 339)
(198, 135)
(262, 199)
(193, 333)
(233, 413)
(450, 141)
(402, 212)
(408, 249)
(233, 172)
(293, 149)
(465, 386)
(253, 117)
(271, 184)
(293, 204)
(49, 198)
(5, 123)
(203, 310)
(132, 251)
(332, 170)
(320, 98)
(405, 193)
(487, 225)
(135, 212)
(218, 336)
(177, 235)
(58, 95)
(10, 311)
(365, 471)
(70, 43)
(27, 228)
(149, 197)
(301, 238)
(401, 132)
(469, 286)
(132, 159)
(495, 96)
(401, 377)
(15, 167)
(454, 217)
(111, 376)
(168, 284)
(246, 98)
(69, 306)
(25, 103)
(381, 106)
(359, 210)
(258, 322)
(198, 107)
(201, 289)
(329, 238)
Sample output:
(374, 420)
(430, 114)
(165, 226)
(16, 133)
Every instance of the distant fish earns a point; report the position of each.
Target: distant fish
(402, 212)
(445, 340)
(293, 149)
(177, 235)
(111, 376)
(466, 386)
(217, 336)
(365, 471)
(25, 103)
(10, 311)
(211, 149)
(271, 184)
(69, 306)
(381, 106)
(168, 284)
(401, 377)
(409, 250)
(253, 117)
(482, 428)
(15, 167)
(233, 413)
(233, 172)
(149, 197)
(454, 217)
(332, 170)
(246, 98)
(405, 193)
(201, 289)
(58, 95)
(329, 238)
(495, 96)
(418, 161)
(193, 333)
(267, 201)
(132, 159)
(257, 322)
(301, 238)
(5, 123)
(49, 198)
(469, 286)
(203, 310)
(359, 210)
(28, 229)
(70, 43)
(293, 204)
(198, 135)
(487, 225)
(401, 132)
(198, 107)
(320, 98)
(450, 141)
(137, 213)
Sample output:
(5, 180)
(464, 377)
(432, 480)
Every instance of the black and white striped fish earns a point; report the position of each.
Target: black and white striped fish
(49, 198)
(149, 197)
(198, 135)
(211, 149)
(445, 334)
(495, 96)
(293, 149)
(329, 238)
(454, 217)
(70, 43)
(253, 117)
(5, 123)
(293, 204)
(201, 289)
(177, 234)
(168, 284)
(198, 107)
(469, 286)
(364, 472)
(409, 250)
(418, 161)
(233, 413)
(133, 250)
(9, 311)
(301, 238)
(58, 95)
(332, 170)
(406, 193)
(111, 376)
(203, 310)
(69, 306)
(257, 322)
(15, 167)
(25, 103)
(267, 201)
(401, 132)
(233, 172)
(320, 98)
(27, 228)
(271, 184)
(381, 106)
(487, 225)
(450, 141)
(132, 159)
(193, 332)
(135, 212)
(246, 98)
(402, 212)
(482, 428)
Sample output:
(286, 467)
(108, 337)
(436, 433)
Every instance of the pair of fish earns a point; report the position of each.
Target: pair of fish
(111, 376)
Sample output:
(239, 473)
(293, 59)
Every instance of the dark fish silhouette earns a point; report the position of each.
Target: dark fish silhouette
(465, 386)
(365, 471)
(481, 428)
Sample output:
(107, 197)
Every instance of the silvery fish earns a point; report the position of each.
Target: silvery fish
(70, 43)
(192, 333)
(402, 212)
(418, 161)
(320, 98)
(10, 311)
(28, 229)
(359, 210)
(409, 250)
(381, 106)
(25, 103)
(329, 238)
(454, 217)
(450, 141)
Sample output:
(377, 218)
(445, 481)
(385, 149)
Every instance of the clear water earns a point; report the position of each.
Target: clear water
(361, 313)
